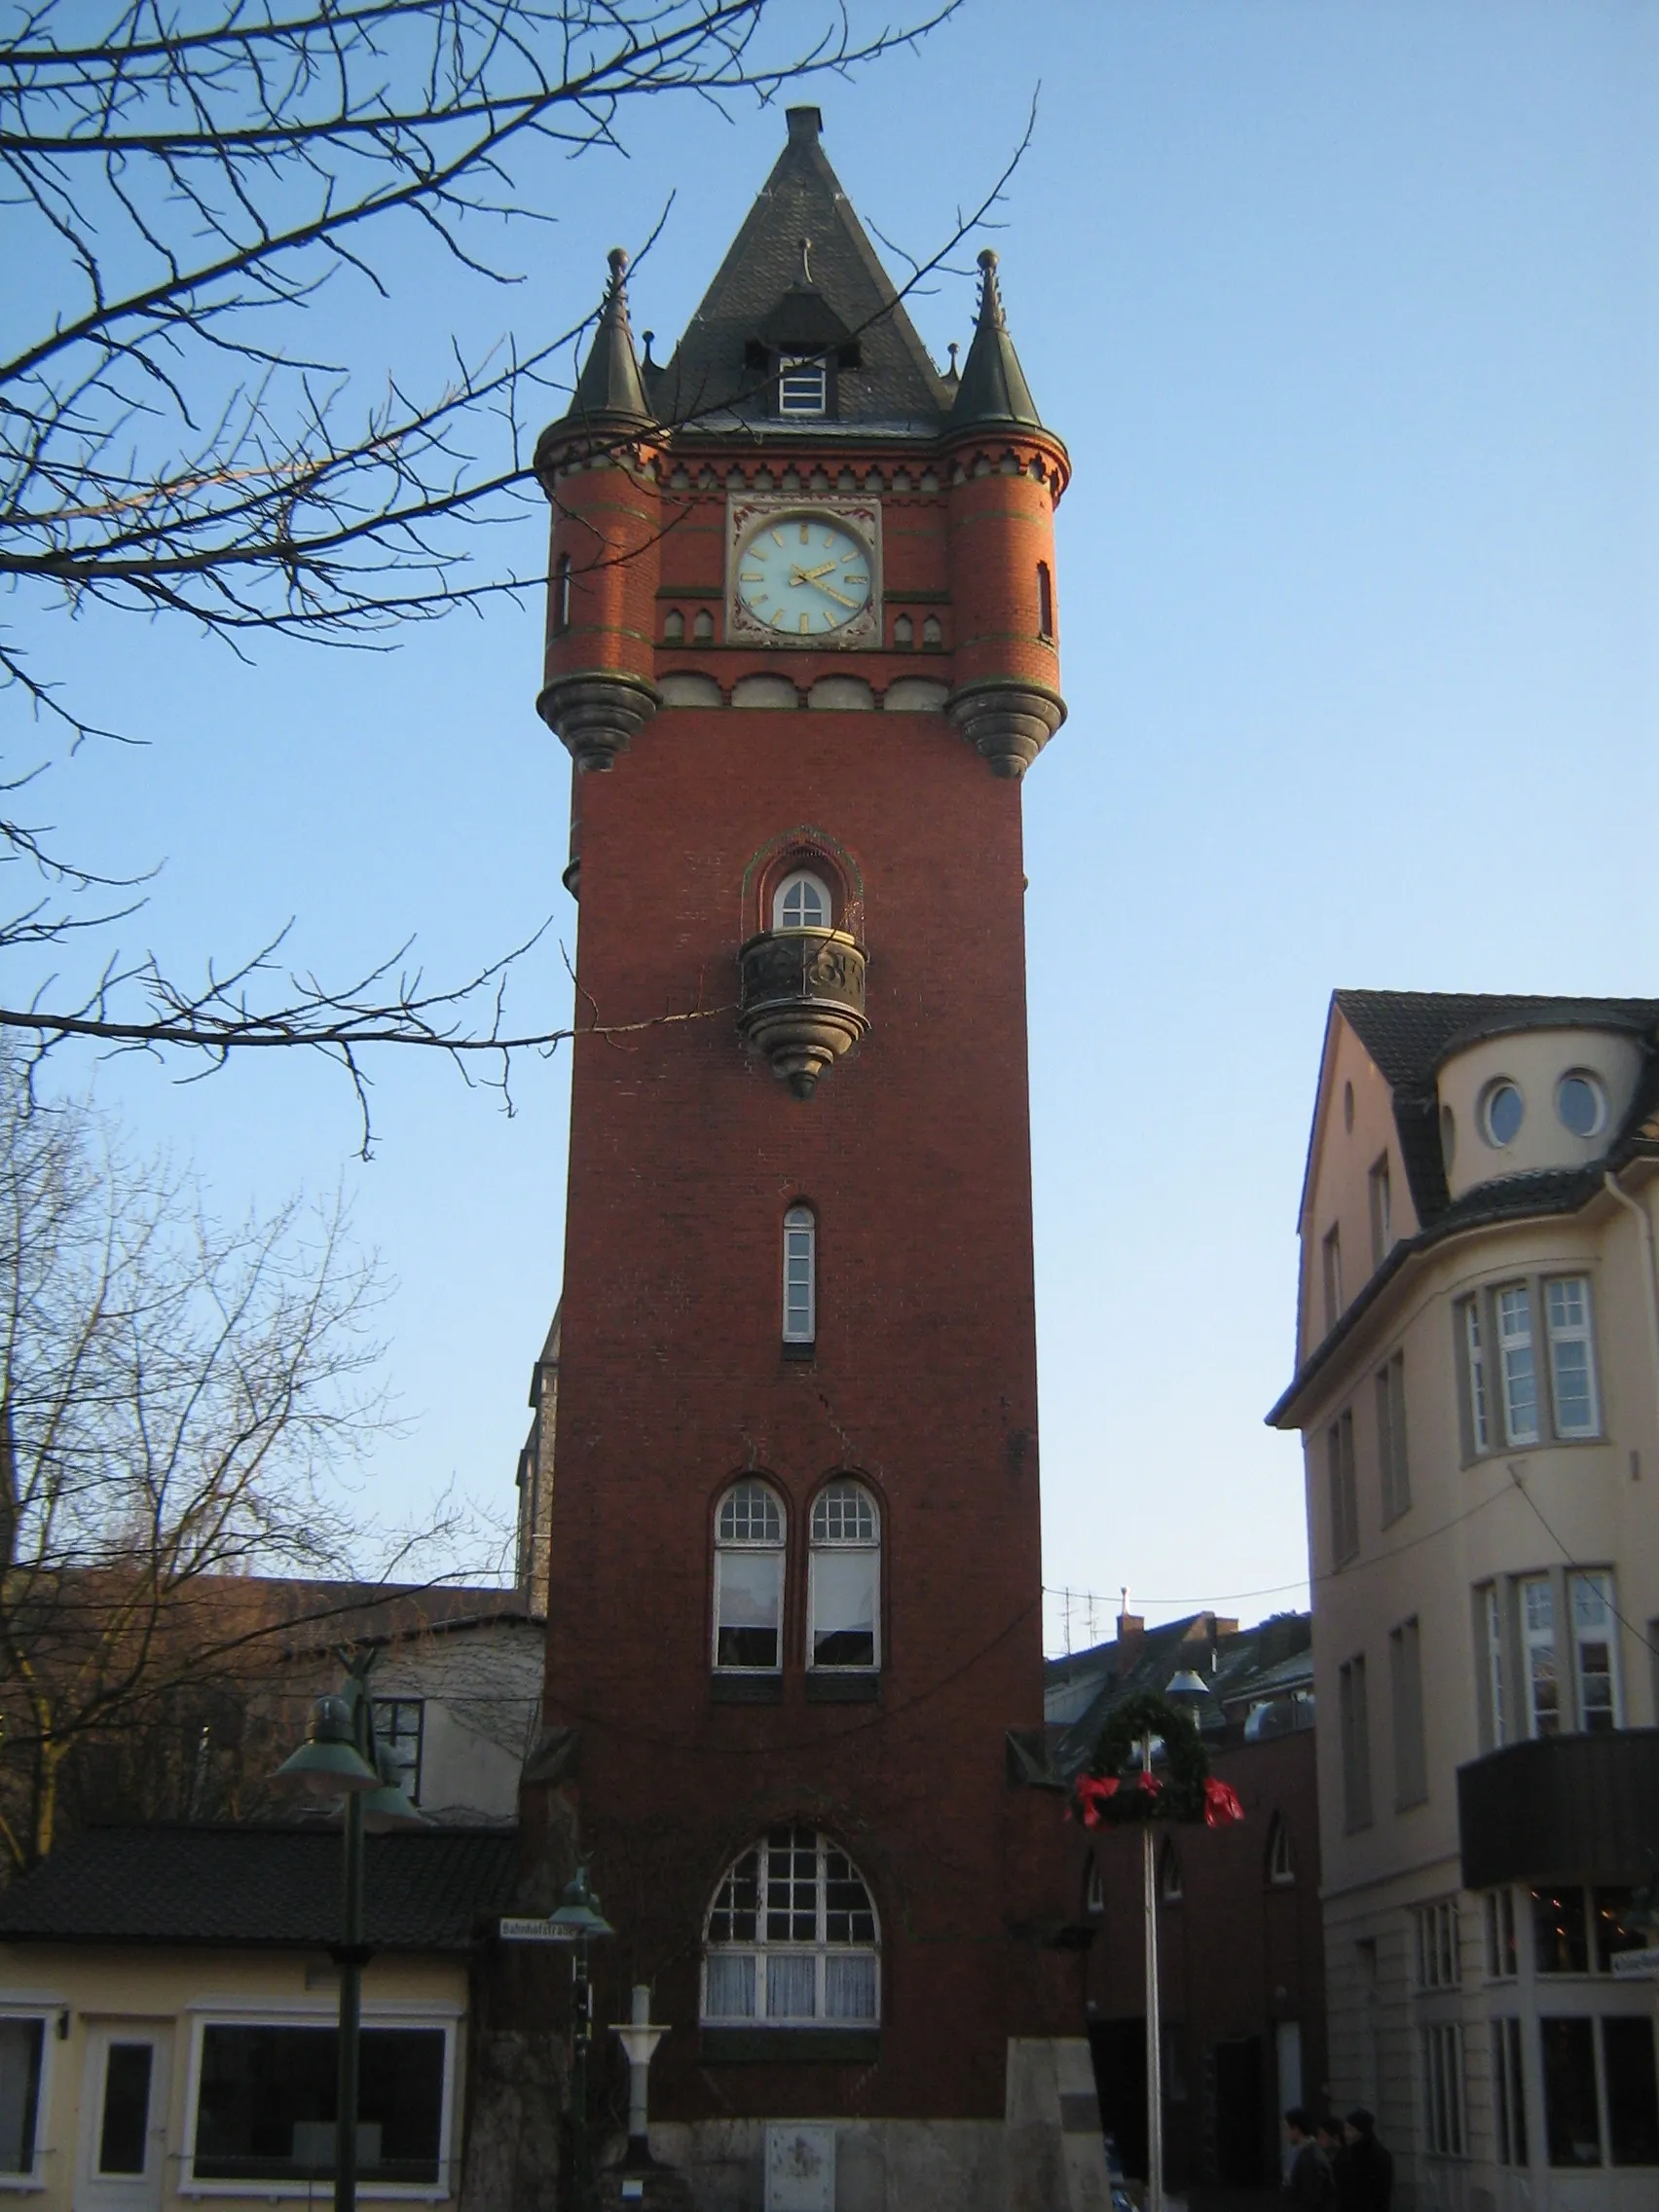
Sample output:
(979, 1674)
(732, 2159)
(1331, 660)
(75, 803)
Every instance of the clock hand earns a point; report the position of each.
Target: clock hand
(839, 596)
(811, 576)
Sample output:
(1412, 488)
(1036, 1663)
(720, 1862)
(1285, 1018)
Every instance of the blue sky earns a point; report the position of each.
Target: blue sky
(1348, 314)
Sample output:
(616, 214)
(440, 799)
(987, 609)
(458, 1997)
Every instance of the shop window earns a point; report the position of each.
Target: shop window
(264, 2108)
(23, 2065)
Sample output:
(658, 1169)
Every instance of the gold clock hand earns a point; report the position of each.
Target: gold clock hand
(810, 576)
(839, 596)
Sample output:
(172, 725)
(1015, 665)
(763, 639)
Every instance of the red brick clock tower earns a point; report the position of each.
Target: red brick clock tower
(801, 646)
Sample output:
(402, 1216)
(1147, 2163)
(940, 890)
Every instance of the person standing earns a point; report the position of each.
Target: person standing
(1308, 2185)
(1365, 2174)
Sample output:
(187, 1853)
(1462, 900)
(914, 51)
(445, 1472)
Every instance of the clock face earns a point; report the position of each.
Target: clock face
(802, 576)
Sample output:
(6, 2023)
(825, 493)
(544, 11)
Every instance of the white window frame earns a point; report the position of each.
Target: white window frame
(1446, 2131)
(798, 369)
(817, 1546)
(1600, 1579)
(820, 1949)
(25, 2004)
(1563, 1335)
(1503, 1955)
(1538, 1636)
(1475, 1374)
(1518, 1360)
(1489, 1597)
(802, 879)
(746, 1547)
(800, 1259)
(278, 2013)
(1439, 1945)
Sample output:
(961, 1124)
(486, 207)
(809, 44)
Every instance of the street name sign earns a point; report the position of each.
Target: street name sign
(528, 1930)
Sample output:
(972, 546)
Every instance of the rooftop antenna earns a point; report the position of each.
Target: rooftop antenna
(954, 350)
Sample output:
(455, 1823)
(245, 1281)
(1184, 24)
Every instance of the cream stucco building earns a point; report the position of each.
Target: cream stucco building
(1477, 1388)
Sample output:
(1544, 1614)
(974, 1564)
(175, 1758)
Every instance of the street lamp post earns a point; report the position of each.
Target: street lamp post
(1183, 1686)
(339, 1758)
(581, 1922)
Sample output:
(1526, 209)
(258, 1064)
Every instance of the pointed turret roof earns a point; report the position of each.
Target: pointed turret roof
(993, 386)
(610, 394)
(803, 270)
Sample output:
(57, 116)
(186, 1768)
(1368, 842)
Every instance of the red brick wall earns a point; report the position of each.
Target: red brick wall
(914, 1154)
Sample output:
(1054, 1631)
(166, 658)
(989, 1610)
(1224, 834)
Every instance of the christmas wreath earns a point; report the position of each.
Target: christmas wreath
(1118, 1791)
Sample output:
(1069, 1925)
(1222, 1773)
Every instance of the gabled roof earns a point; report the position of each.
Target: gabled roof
(239, 1888)
(802, 254)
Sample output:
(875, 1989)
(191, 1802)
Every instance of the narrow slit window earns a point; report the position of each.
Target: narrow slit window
(562, 595)
(1520, 1367)
(1045, 599)
(1573, 1377)
(1536, 1593)
(801, 1277)
(1594, 1656)
(1474, 1368)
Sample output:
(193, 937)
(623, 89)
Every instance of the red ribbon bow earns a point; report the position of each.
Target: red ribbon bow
(1148, 1781)
(1221, 1804)
(1093, 1791)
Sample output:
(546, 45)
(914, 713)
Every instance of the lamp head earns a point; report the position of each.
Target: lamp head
(328, 1763)
(578, 1911)
(391, 1807)
(1186, 1685)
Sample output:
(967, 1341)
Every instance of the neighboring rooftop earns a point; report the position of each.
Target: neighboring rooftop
(236, 1886)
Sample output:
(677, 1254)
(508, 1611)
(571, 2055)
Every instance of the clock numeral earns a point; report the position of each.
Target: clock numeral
(850, 579)
(751, 576)
(806, 536)
(829, 619)
(830, 541)
(777, 537)
(805, 625)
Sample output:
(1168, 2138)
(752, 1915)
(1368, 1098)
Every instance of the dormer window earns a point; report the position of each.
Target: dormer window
(803, 386)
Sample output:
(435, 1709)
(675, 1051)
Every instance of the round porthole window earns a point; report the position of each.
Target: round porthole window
(1581, 1103)
(1502, 1111)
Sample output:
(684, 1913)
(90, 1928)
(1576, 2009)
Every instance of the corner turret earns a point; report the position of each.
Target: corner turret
(992, 387)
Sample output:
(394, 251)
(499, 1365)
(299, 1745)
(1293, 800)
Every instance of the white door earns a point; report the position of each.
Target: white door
(124, 2117)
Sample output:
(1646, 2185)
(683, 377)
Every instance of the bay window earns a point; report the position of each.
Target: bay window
(1541, 1364)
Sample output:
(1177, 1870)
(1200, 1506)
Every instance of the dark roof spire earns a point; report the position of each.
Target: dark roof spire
(610, 392)
(993, 386)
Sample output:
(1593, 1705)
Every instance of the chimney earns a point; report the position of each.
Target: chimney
(1132, 1635)
(805, 124)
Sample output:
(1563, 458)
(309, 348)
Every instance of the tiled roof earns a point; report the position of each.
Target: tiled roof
(1409, 1033)
(895, 384)
(260, 1888)
(1239, 1665)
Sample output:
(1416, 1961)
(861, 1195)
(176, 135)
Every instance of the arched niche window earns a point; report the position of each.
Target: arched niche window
(791, 1938)
(904, 631)
(1093, 1889)
(1045, 599)
(673, 627)
(748, 1580)
(843, 1581)
(801, 1277)
(562, 595)
(932, 633)
(702, 626)
(1282, 1866)
(802, 901)
(1169, 1874)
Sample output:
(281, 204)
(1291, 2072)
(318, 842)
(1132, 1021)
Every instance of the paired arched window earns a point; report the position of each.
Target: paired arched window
(843, 1596)
(748, 1580)
(801, 1277)
(673, 627)
(791, 1938)
(802, 901)
(562, 595)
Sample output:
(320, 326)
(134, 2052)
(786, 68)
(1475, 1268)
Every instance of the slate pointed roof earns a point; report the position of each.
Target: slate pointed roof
(993, 386)
(610, 394)
(802, 268)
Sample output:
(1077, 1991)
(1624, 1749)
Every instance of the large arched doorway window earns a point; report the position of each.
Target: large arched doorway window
(791, 1938)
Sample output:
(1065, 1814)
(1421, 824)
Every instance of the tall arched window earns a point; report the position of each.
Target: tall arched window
(791, 1938)
(749, 1581)
(802, 901)
(843, 1582)
(1044, 601)
(1093, 1888)
(801, 1277)
(562, 595)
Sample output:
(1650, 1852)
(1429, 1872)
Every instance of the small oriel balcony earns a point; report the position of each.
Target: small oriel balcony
(1561, 1809)
(801, 1000)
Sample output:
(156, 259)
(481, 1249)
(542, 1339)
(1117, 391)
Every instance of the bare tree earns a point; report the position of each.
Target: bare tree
(184, 177)
(176, 1398)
